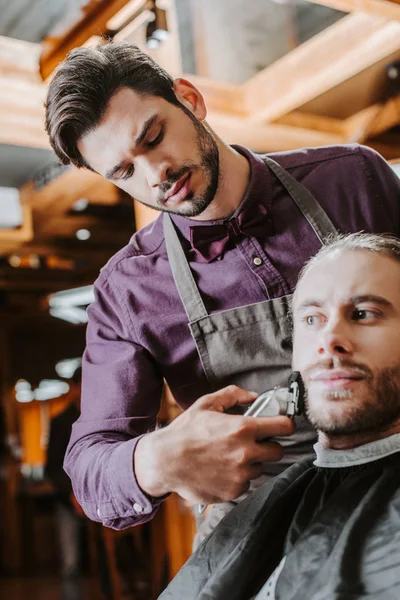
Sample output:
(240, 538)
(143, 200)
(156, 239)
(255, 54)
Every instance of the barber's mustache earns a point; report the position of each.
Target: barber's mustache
(173, 177)
(337, 363)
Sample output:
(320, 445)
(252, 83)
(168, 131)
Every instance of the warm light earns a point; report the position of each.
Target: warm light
(153, 44)
(67, 367)
(80, 205)
(23, 391)
(79, 296)
(34, 261)
(83, 234)
(24, 396)
(14, 260)
(50, 388)
(22, 385)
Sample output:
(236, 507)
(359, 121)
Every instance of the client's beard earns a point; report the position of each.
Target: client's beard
(376, 410)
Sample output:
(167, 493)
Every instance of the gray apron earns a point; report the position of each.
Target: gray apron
(249, 346)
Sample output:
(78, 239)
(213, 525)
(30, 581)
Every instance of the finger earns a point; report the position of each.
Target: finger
(255, 471)
(227, 397)
(267, 452)
(266, 427)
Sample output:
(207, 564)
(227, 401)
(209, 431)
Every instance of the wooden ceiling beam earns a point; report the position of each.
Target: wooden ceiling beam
(95, 17)
(373, 121)
(14, 133)
(388, 9)
(269, 137)
(22, 91)
(367, 123)
(339, 52)
(387, 144)
(314, 123)
(20, 234)
(388, 151)
(59, 195)
(219, 96)
(19, 56)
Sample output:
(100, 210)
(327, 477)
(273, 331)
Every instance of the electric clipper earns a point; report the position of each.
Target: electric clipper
(285, 401)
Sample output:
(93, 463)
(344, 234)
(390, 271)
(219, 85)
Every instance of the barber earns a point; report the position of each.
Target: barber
(199, 298)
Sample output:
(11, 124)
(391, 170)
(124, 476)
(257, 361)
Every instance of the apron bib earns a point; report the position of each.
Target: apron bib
(249, 346)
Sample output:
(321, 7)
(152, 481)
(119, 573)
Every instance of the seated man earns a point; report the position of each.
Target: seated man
(328, 528)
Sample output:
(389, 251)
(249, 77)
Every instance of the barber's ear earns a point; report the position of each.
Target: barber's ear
(190, 97)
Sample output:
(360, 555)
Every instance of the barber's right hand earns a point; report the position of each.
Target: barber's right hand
(207, 455)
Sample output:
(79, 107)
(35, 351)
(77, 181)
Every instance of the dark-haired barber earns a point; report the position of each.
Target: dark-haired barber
(200, 297)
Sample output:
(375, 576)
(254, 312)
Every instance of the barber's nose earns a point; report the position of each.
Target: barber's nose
(334, 340)
(157, 173)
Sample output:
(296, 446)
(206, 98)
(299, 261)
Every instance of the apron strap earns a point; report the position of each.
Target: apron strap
(311, 209)
(183, 277)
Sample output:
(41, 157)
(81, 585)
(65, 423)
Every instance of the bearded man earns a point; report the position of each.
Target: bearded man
(200, 298)
(328, 528)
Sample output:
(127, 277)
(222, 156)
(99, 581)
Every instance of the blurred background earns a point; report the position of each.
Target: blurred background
(276, 75)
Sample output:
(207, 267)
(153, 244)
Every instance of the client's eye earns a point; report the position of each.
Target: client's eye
(312, 320)
(363, 314)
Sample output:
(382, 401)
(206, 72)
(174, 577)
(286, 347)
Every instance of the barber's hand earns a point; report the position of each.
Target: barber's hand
(206, 455)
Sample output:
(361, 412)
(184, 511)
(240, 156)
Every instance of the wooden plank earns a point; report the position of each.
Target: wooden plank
(219, 96)
(314, 122)
(339, 52)
(139, 22)
(93, 22)
(268, 137)
(389, 9)
(20, 234)
(373, 121)
(390, 151)
(19, 56)
(20, 131)
(61, 193)
(126, 14)
(369, 122)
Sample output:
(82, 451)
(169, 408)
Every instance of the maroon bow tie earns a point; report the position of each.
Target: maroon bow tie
(210, 241)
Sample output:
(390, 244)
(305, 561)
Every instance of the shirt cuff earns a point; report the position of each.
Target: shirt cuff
(128, 498)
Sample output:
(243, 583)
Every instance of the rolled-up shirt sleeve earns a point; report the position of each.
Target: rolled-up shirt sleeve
(121, 391)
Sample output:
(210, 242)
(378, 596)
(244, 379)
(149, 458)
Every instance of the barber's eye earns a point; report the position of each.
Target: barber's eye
(129, 172)
(156, 140)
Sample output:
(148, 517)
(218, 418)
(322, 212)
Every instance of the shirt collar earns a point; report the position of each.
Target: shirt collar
(258, 190)
(336, 459)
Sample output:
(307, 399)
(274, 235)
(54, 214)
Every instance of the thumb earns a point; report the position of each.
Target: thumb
(227, 397)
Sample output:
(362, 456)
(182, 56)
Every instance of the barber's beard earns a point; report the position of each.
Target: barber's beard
(207, 147)
(372, 409)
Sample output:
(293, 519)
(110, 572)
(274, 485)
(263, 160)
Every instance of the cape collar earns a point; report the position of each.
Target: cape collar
(336, 459)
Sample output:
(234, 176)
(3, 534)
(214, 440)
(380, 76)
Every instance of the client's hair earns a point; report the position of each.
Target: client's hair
(385, 244)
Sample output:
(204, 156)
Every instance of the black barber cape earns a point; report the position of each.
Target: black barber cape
(339, 529)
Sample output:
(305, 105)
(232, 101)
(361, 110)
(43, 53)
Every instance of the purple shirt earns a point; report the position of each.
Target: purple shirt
(138, 335)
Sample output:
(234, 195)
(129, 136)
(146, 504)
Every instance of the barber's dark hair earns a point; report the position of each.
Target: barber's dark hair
(83, 85)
